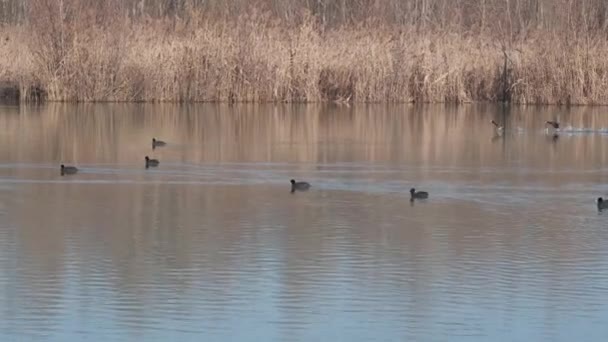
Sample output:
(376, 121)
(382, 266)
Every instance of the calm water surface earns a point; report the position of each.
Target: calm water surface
(212, 246)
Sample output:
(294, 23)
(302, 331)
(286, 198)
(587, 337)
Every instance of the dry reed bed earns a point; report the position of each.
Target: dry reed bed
(254, 59)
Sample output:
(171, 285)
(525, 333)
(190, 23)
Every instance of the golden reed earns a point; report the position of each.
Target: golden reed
(257, 58)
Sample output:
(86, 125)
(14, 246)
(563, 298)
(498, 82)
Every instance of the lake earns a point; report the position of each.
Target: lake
(212, 245)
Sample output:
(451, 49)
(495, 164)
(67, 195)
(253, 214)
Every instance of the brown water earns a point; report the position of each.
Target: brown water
(212, 246)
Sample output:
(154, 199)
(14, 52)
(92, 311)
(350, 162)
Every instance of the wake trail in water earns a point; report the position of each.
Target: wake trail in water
(576, 130)
(463, 184)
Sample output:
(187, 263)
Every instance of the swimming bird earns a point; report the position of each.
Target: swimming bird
(601, 204)
(157, 143)
(151, 162)
(553, 124)
(498, 127)
(418, 194)
(68, 170)
(299, 186)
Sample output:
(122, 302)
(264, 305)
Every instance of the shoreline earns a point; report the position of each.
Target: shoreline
(19, 102)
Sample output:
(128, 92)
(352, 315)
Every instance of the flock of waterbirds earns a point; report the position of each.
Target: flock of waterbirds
(304, 186)
(70, 170)
(295, 186)
(499, 128)
(601, 203)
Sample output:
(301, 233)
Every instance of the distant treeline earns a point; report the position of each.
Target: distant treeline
(523, 51)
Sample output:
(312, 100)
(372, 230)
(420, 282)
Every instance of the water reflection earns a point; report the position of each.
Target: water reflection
(212, 245)
(120, 133)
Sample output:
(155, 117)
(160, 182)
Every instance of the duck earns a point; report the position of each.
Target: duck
(601, 204)
(68, 170)
(151, 162)
(498, 127)
(299, 186)
(418, 194)
(157, 143)
(553, 124)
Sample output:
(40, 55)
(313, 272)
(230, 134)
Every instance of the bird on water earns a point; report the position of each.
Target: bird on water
(553, 124)
(498, 127)
(151, 162)
(68, 170)
(157, 143)
(299, 186)
(601, 204)
(418, 194)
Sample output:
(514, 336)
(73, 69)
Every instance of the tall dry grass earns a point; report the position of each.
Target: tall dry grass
(258, 58)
